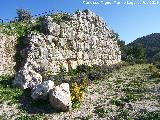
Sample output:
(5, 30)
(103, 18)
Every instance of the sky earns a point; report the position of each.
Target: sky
(130, 19)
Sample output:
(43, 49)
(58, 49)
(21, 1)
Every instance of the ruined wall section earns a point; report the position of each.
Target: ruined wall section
(7, 53)
(84, 39)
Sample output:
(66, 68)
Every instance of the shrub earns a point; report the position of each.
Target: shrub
(23, 15)
(83, 68)
(94, 75)
(123, 115)
(60, 17)
(77, 93)
(155, 72)
(116, 102)
(157, 65)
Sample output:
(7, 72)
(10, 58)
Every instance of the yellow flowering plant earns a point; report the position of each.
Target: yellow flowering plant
(77, 93)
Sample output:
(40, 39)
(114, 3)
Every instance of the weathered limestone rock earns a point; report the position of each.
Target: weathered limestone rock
(42, 90)
(27, 78)
(60, 97)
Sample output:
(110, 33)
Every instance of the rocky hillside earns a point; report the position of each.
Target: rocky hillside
(151, 43)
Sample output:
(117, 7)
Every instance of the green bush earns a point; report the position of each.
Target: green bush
(23, 15)
(155, 72)
(77, 93)
(60, 17)
(83, 68)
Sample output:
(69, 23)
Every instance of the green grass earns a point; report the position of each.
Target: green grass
(116, 102)
(22, 98)
(7, 91)
(102, 112)
(150, 116)
(123, 115)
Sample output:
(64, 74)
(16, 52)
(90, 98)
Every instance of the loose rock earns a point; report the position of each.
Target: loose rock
(42, 90)
(60, 97)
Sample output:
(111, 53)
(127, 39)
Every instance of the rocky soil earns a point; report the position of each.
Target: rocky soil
(123, 95)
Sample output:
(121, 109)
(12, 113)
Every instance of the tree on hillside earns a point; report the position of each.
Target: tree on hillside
(132, 54)
(122, 46)
(156, 58)
(151, 43)
(23, 15)
(136, 54)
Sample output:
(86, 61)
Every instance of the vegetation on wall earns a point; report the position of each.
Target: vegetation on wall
(60, 17)
(23, 26)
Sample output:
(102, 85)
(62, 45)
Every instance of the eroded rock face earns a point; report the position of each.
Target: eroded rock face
(42, 90)
(60, 97)
(83, 39)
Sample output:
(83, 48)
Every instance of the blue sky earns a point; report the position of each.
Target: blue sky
(129, 21)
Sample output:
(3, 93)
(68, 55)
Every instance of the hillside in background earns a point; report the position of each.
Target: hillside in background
(151, 43)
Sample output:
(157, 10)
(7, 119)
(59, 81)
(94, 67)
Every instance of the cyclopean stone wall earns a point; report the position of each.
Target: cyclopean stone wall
(83, 39)
(7, 53)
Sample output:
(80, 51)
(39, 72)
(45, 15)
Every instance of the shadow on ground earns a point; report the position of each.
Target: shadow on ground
(33, 107)
(15, 95)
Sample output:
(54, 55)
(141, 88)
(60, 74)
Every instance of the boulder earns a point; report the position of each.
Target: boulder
(27, 78)
(41, 91)
(60, 97)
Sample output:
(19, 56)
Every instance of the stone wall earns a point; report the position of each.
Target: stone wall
(82, 39)
(7, 53)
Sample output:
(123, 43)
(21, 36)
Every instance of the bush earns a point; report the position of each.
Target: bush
(60, 17)
(23, 15)
(83, 68)
(155, 72)
(77, 93)
(94, 75)
(101, 112)
(157, 65)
